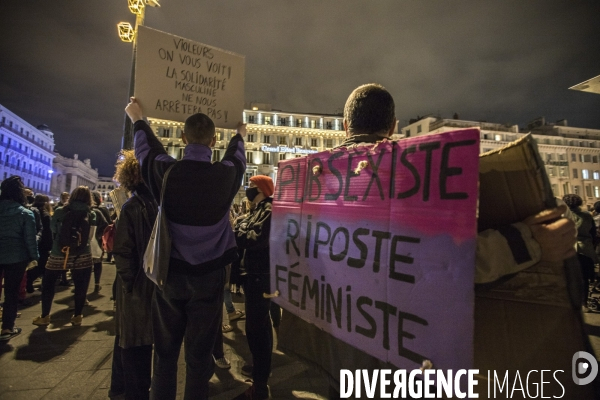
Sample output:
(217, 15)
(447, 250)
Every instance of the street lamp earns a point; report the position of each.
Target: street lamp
(127, 33)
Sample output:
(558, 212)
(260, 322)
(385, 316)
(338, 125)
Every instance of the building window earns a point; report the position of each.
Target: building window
(283, 121)
(555, 189)
(408, 133)
(587, 158)
(485, 136)
(573, 157)
(298, 141)
(165, 132)
(216, 156)
(181, 152)
(299, 123)
(563, 171)
(250, 138)
(585, 174)
(561, 157)
(418, 128)
(250, 119)
(267, 120)
(267, 139)
(328, 125)
(596, 175)
(282, 156)
(313, 124)
(266, 158)
(550, 171)
(575, 175)
(581, 158)
(575, 189)
(314, 142)
(595, 159)
(247, 177)
(588, 191)
(249, 157)
(328, 143)
(282, 140)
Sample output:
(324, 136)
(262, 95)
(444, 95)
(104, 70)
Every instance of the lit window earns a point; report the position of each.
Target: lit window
(596, 175)
(267, 120)
(596, 191)
(585, 174)
(550, 171)
(313, 124)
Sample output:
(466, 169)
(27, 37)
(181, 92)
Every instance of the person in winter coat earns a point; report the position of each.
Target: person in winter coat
(132, 357)
(42, 204)
(78, 260)
(18, 247)
(252, 237)
(586, 237)
(102, 218)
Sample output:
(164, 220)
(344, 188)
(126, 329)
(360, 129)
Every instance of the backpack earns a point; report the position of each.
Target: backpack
(75, 230)
(108, 238)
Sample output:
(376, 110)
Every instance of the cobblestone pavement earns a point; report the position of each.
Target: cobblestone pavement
(66, 362)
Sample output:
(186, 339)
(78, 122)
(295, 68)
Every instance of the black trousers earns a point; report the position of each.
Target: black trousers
(131, 371)
(38, 270)
(259, 330)
(188, 310)
(13, 275)
(81, 279)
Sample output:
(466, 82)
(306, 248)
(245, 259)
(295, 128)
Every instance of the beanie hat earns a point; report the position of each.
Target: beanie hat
(264, 183)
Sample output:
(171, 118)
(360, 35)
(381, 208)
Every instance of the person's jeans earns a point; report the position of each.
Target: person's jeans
(81, 279)
(38, 270)
(189, 309)
(13, 275)
(259, 331)
(131, 371)
(97, 272)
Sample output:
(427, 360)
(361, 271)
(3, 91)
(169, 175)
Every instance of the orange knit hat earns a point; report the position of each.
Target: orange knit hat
(264, 183)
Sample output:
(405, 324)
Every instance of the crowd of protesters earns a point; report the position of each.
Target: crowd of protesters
(216, 247)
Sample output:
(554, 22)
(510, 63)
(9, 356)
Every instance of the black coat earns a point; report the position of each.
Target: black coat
(134, 290)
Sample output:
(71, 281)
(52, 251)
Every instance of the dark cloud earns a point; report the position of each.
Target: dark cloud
(502, 61)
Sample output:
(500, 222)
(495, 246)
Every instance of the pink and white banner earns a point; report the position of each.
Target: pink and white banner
(376, 245)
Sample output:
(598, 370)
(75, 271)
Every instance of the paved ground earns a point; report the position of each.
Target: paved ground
(66, 362)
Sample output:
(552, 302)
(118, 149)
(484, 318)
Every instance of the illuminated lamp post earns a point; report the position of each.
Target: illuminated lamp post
(127, 33)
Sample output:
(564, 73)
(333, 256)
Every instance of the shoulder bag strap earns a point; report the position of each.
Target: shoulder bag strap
(164, 184)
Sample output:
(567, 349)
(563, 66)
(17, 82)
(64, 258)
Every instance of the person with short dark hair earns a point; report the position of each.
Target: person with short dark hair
(18, 246)
(197, 197)
(79, 261)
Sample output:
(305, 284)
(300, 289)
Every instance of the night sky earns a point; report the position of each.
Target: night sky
(62, 64)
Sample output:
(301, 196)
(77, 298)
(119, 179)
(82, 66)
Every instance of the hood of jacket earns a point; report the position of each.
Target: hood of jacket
(78, 206)
(10, 207)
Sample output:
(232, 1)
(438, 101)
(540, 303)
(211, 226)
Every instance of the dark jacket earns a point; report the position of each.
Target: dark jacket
(197, 198)
(17, 233)
(134, 290)
(45, 242)
(252, 237)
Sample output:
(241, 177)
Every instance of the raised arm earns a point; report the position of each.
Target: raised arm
(150, 153)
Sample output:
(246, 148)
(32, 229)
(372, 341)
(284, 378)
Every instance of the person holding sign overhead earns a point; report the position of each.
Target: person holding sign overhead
(187, 304)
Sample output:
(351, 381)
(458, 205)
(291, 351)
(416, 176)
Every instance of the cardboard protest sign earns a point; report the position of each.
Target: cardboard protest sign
(377, 246)
(176, 77)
